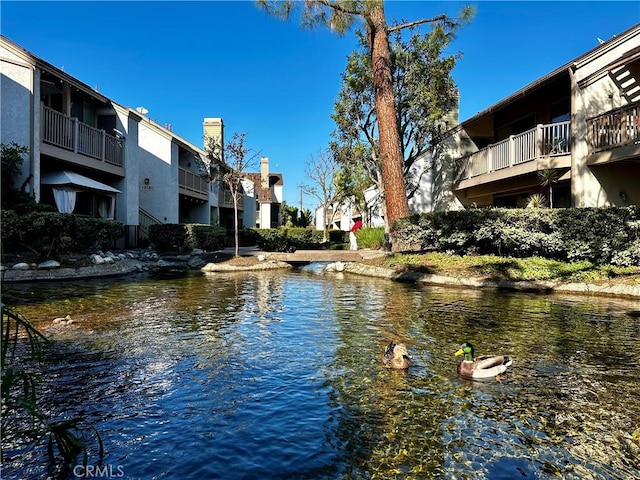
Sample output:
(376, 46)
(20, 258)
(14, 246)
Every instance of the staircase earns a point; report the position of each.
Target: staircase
(145, 220)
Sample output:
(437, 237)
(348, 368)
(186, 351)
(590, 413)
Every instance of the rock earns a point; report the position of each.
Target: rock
(21, 266)
(262, 257)
(97, 259)
(197, 251)
(335, 267)
(196, 262)
(122, 256)
(49, 264)
(162, 263)
(109, 260)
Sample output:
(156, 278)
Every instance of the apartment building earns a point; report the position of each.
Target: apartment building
(90, 156)
(571, 136)
(268, 188)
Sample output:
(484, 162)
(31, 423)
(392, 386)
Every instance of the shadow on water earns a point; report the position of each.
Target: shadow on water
(279, 375)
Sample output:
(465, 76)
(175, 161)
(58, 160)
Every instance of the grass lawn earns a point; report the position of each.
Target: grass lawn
(507, 268)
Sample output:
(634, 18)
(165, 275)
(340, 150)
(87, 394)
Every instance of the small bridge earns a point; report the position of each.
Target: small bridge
(300, 257)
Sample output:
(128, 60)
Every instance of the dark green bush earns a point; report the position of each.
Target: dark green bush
(277, 241)
(338, 236)
(598, 235)
(97, 233)
(169, 237)
(206, 237)
(288, 239)
(12, 231)
(52, 235)
(183, 237)
(247, 237)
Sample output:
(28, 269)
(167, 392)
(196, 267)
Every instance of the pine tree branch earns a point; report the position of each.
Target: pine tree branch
(415, 23)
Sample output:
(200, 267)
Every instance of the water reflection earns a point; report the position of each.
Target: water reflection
(279, 375)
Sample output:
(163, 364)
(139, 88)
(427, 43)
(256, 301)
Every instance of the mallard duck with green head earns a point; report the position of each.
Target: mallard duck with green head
(396, 356)
(486, 366)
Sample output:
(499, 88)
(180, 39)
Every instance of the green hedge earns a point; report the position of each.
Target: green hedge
(247, 237)
(289, 239)
(52, 235)
(182, 237)
(599, 235)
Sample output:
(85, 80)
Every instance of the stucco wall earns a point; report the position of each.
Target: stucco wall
(16, 114)
(597, 186)
(157, 174)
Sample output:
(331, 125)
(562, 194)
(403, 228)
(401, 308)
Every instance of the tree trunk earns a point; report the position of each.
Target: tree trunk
(324, 223)
(235, 222)
(391, 158)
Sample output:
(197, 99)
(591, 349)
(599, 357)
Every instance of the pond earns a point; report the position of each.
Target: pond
(279, 375)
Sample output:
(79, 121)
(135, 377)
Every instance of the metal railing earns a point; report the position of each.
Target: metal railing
(227, 200)
(69, 133)
(615, 128)
(543, 140)
(145, 220)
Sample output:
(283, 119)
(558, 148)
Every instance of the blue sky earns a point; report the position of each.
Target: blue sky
(184, 61)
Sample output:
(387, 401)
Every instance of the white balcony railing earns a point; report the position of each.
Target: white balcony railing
(615, 128)
(542, 141)
(70, 134)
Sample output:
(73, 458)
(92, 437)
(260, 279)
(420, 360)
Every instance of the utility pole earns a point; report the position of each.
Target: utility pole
(301, 188)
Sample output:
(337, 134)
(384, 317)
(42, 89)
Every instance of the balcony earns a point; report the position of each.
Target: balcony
(227, 200)
(193, 185)
(69, 139)
(542, 147)
(614, 135)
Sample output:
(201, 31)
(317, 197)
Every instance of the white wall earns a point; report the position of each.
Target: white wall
(249, 201)
(17, 108)
(156, 157)
(420, 173)
(596, 186)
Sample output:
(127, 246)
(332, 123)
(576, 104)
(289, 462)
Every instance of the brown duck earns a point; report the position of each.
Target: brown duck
(396, 356)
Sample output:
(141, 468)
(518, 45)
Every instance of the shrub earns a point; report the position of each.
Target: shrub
(97, 233)
(338, 236)
(598, 235)
(168, 237)
(288, 239)
(206, 237)
(629, 257)
(247, 237)
(372, 238)
(47, 235)
(276, 241)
